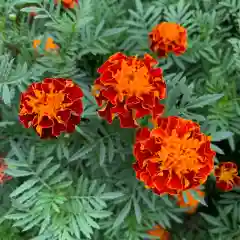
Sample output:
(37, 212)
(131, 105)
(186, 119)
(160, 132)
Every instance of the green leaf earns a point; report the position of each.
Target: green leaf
(49, 172)
(25, 186)
(6, 124)
(43, 165)
(18, 173)
(31, 9)
(212, 220)
(219, 136)
(82, 152)
(123, 214)
(17, 151)
(59, 178)
(113, 31)
(102, 153)
(91, 222)
(74, 227)
(137, 210)
(16, 216)
(217, 149)
(139, 6)
(110, 150)
(100, 214)
(111, 195)
(6, 94)
(204, 100)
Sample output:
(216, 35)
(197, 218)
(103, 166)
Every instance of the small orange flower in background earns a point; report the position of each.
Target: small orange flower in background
(130, 88)
(168, 37)
(191, 203)
(226, 174)
(3, 167)
(159, 231)
(173, 157)
(49, 45)
(51, 107)
(67, 3)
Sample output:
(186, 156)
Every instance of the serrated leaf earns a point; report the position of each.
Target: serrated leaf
(43, 165)
(33, 223)
(49, 172)
(110, 150)
(219, 136)
(100, 214)
(111, 195)
(139, 6)
(113, 31)
(137, 211)
(6, 95)
(18, 173)
(84, 227)
(82, 152)
(16, 216)
(91, 222)
(25, 186)
(74, 227)
(204, 100)
(216, 149)
(27, 195)
(123, 214)
(17, 151)
(212, 220)
(31, 9)
(102, 153)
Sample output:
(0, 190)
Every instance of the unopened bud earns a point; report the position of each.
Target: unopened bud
(12, 16)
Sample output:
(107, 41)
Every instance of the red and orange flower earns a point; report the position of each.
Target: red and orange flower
(51, 107)
(168, 37)
(226, 174)
(67, 3)
(3, 176)
(191, 203)
(130, 88)
(159, 231)
(49, 45)
(173, 157)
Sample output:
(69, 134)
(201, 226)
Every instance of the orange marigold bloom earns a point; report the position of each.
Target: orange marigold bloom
(226, 174)
(173, 157)
(67, 3)
(191, 203)
(49, 45)
(130, 88)
(3, 167)
(159, 231)
(51, 107)
(168, 37)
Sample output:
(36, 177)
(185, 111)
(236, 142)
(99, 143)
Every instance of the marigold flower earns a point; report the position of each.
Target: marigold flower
(49, 45)
(130, 88)
(191, 203)
(67, 3)
(226, 174)
(168, 37)
(173, 157)
(159, 231)
(51, 107)
(3, 176)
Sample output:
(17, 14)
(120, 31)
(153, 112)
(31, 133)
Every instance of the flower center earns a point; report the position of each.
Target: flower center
(132, 79)
(227, 174)
(170, 32)
(179, 154)
(46, 104)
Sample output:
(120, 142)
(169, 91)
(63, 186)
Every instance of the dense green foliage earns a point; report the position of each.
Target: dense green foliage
(82, 186)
